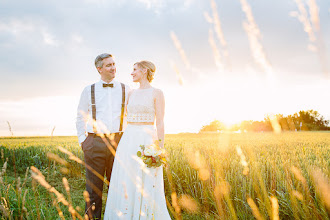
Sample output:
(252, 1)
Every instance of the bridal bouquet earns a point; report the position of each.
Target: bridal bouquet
(152, 155)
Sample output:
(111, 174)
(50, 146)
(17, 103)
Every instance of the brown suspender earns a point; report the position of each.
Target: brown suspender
(94, 108)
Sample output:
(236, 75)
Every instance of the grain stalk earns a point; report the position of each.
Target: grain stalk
(254, 36)
(37, 175)
(10, 129)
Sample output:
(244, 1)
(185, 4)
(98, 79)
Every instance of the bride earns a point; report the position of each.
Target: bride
(135, 191)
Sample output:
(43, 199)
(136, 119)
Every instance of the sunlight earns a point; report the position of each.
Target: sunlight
(229, 99)
(233, 98)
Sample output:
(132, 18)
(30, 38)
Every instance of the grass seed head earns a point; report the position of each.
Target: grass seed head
(189, 204)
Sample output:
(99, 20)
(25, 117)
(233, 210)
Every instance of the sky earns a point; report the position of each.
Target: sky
(270, 59)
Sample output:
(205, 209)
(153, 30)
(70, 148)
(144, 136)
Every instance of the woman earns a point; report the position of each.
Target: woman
(137, 192)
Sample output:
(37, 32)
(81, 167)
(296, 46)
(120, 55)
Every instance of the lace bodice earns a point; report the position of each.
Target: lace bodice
(141, 107)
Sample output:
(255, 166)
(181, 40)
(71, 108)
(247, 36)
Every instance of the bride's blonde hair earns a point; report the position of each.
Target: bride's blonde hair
(151, 68)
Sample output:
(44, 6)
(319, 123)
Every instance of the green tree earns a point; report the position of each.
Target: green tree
(310, 120)
(213, 126)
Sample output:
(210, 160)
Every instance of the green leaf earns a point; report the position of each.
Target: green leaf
(149, 161)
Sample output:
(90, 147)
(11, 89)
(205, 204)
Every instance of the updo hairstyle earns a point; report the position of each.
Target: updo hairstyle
(151, 68)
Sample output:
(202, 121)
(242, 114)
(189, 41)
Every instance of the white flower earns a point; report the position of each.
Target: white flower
(151, 151)
(148, 152)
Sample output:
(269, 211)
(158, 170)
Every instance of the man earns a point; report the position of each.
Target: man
(100, 117)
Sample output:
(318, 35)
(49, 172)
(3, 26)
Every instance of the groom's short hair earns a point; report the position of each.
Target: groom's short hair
(99, 59)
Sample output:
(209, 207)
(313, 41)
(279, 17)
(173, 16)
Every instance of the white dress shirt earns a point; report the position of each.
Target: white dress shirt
(108, 109)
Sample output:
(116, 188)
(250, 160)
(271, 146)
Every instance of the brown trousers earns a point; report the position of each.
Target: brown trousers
(100, 159)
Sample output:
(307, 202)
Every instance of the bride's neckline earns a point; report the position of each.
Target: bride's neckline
(145, 88)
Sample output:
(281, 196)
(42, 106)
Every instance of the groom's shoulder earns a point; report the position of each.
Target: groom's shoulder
(88, 87)
(122, 83)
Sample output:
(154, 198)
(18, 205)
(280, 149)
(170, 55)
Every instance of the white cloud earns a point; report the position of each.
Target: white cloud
(20, 28)
(49, 39)
(77, 38)
(16, 27)
(152, 3)
(187, 3)
(158, 5)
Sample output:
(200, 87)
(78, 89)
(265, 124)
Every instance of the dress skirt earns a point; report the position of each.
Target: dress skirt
(135, 191)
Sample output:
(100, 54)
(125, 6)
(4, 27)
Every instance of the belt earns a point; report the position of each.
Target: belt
(103, 134)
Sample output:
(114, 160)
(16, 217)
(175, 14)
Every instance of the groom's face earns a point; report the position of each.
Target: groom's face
(108, 70)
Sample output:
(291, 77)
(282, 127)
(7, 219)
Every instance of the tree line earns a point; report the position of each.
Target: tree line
(309, 120)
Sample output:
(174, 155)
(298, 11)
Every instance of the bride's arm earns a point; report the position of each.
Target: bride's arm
(126, 101)
(160, 111)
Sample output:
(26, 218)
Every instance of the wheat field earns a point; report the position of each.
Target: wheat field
(209, 176)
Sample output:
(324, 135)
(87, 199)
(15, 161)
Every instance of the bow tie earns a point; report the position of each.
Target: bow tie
(107, 85)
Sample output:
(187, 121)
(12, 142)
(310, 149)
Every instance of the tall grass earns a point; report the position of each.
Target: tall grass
(209, 176)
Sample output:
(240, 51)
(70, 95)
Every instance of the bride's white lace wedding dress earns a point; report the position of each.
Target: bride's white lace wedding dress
(135, 191)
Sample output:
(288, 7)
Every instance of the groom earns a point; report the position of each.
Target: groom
(100, 117)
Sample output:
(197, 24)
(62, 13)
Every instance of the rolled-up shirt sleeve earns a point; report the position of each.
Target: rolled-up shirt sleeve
(82, 116)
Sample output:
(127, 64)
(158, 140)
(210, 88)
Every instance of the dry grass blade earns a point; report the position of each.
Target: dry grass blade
(180, 49)
(274, 208)
(254, 36)
(243, 161)
(78, 160)
(10, 129)
(255, 210)
(4, 168)
(67, 189)
(222, 190)
(59, 211)
(219, 33)
(178, 74)
(4, 211)
(315, 20)
(322, 185)
(297, 173)
(303, 18)
(56, 158)
(52, 133)
(188, 203)
(217, 24)
(36, 174)
(26, 176)
(24, 210)
(298, 195)
(174, 208)
(314, 14)
(208, 18)
(88, 213)
(216, 52)
(36, 197)
(313, 29)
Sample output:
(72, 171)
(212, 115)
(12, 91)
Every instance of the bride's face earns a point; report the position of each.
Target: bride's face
(138, 73)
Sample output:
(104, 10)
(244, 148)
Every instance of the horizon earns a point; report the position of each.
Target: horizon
(229, 128)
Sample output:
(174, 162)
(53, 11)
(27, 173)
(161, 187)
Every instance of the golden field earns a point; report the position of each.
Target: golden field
(209, 176)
